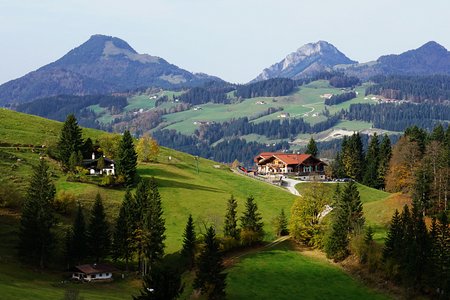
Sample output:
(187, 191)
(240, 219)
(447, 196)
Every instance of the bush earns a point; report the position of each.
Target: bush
(64, 202)
(108, 180)
(10, 197)
(229, 243)
(250, 237)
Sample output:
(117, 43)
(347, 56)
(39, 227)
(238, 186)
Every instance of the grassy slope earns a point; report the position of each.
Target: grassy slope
(183, 191)
(299, 104)
(278, 268)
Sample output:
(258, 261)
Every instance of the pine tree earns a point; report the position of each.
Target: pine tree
(422, 190)
(154, 226)
(80, 246)
(385, 157)
(251, 224)
(440, 256)
(162, 283)
(123, 233)
(210, 276)
(350, 201)
(281, 224)
(139, 216)
(372, 163)
(392, 246)
(230, 224)
(336, 241)
(127, 159)
(68, 248)
(70, 140)
(353, 157)
(189, 243)
(312, 148)
(36, 238)
(98, 231)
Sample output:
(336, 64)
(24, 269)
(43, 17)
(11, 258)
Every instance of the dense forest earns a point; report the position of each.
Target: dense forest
(418, 89)
(339, 98)
(268, 88)
(398, 117)
(57, 108)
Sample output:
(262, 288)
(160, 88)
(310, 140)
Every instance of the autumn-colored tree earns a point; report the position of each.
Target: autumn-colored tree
(147, 148)
(406, 157)
(109, 144)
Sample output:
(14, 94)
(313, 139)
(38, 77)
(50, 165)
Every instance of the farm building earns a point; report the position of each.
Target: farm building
(306, 166)
(94, 272)
(96, 168)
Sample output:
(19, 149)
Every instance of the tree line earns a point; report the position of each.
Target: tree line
(274, 87)
(398, 117)
(419, 89)
(340, 98)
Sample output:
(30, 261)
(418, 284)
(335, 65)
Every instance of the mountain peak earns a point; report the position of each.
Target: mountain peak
(308, 59)
(432, 46)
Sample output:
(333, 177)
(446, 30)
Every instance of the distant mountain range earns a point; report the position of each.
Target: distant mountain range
(309, 59)
(101, 65)
(105, 64)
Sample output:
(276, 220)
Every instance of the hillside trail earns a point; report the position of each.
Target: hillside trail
(235, 256)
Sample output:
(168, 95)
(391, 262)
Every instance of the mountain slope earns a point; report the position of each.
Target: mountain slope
(429, 59)
(103, 64)
(307, 60)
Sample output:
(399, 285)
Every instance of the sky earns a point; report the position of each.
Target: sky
(232, 39)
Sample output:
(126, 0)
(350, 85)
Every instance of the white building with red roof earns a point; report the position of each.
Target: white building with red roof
(305, 166)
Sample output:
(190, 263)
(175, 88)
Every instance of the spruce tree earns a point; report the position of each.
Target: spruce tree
(353, 157)
(251, 224)
(36, 239)
(350, 201)
(392, 246)
(385, 157)
(154, 226)
(336, 241)
(123, 232)
(230, 228)
(312, 148)
(189, 243)
(68, 248)
(139, 217)
(127, 159)
(80, 246)
(281, 224)
(162, 283)
(210, 277)
(372, 163)
(70, 140)
(98, 231)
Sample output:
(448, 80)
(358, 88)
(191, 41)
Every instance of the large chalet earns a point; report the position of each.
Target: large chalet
(305, 166)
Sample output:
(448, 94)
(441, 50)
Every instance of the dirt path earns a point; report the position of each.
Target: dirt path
(235, 256)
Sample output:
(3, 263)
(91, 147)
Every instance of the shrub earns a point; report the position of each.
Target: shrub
(107, 181)
(64, 202)
(250, 237)
(9, 196)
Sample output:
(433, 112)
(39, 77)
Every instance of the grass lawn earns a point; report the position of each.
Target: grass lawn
(283, 273)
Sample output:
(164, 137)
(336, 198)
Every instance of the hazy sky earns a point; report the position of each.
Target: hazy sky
(232, 39)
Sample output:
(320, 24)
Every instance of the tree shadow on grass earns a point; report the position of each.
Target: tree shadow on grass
(183, 185)
(160, 173)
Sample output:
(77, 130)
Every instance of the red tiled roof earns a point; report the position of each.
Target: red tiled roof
(292, 159)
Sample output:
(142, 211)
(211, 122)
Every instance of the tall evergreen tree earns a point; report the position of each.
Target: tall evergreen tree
(230, 228)
(281, 224)
(384, 159)
(392, 246)
(312, 148)
(70, 140)
(68, 248)
(162, 283)
(154, 226)
(210, 276)
(123, 232)
(127, 159)
(353, 157)
(350, 201)
(440, 259)
(139, 216)
(336, 241)
(189, 243)
(372, 163)
(36, 238)
(251, 222)
(422, 190)
(98, 231)
(80, 246)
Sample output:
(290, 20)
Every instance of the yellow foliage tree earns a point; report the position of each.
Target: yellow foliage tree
(147, 149)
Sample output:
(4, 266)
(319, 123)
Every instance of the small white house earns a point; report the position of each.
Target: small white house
(94, 272)
(93, 166)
